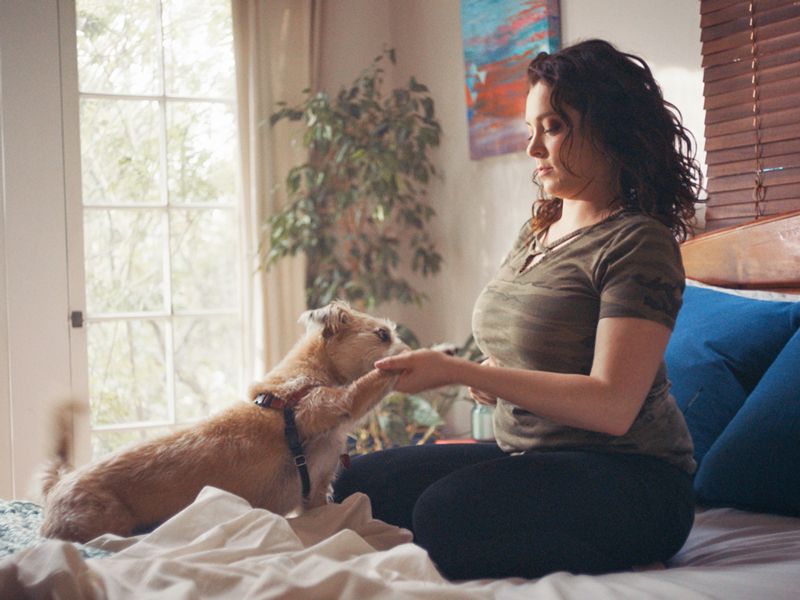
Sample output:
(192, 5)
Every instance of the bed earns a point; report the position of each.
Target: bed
(735, 364)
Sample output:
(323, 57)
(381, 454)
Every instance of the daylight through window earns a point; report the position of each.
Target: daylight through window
(161, 213)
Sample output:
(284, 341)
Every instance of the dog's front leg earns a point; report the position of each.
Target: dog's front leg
(326, 408)
(366, 391)
(319, 497)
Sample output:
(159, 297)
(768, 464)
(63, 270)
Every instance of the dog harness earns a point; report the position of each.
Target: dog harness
(270, 400)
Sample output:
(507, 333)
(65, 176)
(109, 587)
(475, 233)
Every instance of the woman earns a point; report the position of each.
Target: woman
(592, 468)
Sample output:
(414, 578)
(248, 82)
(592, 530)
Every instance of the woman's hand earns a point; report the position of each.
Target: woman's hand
(480, 396)
(628, 352)
(421, 369)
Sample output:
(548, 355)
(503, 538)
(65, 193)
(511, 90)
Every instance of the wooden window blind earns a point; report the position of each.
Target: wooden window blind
(751, 76)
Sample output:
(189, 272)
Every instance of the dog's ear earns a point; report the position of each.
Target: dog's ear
(332, 318)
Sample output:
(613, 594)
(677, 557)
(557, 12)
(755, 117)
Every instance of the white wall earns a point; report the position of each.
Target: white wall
(482, 204)
(353, 33)
(665, 34)
(6, 470)
(34, 348)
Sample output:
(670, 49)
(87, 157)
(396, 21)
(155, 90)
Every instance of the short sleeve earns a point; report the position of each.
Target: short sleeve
(523, 237)
(640, 274)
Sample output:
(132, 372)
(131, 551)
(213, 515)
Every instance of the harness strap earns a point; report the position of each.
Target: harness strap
(293, 439)
(270, 400)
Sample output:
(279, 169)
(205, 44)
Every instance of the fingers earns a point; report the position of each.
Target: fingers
(482, 397)
(398, 362)
(419, 369)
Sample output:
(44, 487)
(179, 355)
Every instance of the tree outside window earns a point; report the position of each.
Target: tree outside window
(161, 214)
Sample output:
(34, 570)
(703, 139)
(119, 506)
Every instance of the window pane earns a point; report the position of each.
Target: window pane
(124, 255)
(161, 217)
(201, 152)
(105, 442)
(207, 365)
(198, 48)
(120, 151)
(127, 371)
(205, 272)
(118, 46)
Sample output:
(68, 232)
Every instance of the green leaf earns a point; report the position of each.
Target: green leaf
(427, 105)
(275, 117)
(381, 129)
(416, 86)
(401, 96)
(421, 412)
(342, 152)
(293, 181)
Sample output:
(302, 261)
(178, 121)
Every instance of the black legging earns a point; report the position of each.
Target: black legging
(482, 513)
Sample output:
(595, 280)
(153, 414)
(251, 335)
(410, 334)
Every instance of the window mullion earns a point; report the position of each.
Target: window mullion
(150, 97)
(170, 321)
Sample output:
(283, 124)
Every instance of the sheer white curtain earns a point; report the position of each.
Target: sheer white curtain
(276, 49)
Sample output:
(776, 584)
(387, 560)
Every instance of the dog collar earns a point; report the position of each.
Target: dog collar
(270, 400)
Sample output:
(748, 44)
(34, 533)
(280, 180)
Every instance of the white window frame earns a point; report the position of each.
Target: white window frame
(42, 359)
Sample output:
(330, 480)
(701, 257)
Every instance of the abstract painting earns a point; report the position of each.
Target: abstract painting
(500, 39)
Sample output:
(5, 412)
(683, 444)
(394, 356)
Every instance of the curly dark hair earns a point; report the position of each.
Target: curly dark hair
(626, 116)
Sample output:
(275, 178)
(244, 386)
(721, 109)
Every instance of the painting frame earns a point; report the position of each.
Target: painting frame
(500, 38)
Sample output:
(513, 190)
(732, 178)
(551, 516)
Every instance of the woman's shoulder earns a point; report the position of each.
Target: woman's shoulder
(635, 236)
(637, 220)
(637, 227)
(524, 234)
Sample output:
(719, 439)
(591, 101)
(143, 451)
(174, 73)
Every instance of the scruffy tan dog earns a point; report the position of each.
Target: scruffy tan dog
(242, 450)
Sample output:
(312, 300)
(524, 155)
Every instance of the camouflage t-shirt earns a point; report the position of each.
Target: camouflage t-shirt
(545, 318)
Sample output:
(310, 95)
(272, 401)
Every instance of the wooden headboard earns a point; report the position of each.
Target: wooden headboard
(763, 254)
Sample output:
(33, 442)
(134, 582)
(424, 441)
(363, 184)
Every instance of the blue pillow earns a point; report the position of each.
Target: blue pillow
(721, 346)
(755, 463)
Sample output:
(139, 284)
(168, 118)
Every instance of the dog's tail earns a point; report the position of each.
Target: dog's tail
(61, 463)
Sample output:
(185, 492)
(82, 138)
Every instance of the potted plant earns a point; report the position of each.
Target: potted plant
(358, 210)
(358, 206)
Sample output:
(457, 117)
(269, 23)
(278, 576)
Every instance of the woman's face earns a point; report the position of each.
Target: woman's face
(571, 167)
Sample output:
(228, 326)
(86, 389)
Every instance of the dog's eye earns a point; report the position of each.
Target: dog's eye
(383, 334)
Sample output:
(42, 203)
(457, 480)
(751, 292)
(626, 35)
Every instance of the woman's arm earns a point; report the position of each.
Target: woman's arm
(628, 352)
(480, 396)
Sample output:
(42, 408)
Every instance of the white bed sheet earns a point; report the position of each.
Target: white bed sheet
(219, 547)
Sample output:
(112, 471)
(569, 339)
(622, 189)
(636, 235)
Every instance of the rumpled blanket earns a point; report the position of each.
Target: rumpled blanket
(220, 547)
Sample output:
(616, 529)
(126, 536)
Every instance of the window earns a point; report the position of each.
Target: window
(751, 71)
(161, 214)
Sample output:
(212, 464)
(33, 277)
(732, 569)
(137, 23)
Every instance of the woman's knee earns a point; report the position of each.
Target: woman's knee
(364, 472)
(459, 511)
